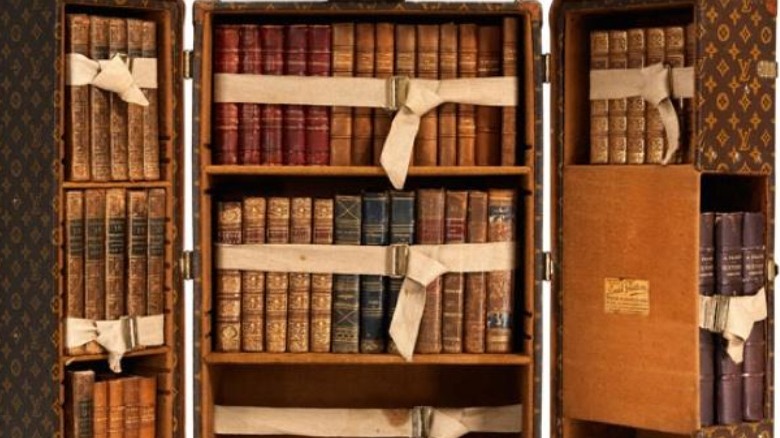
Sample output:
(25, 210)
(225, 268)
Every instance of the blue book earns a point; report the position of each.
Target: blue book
(402, 226)
(346, 288)
(376, 227)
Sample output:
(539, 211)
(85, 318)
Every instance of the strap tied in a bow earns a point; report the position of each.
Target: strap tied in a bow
(114, 75)
(733, 318)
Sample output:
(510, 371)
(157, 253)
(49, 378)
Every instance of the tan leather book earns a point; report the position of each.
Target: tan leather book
(689, 135)
(135, 113)
(322, 284)
(100, 410)
(99, 105)
(636, 106)
(151, 112)
(155, 297)
(228, 285)
(475, 294)
(426, 144)
(116, 251)
(132, 401)
(500, 285)
(299, 303)
(277, 283)
(599, 109)
(448, 117)
(147, 407)
(341, 117)
(79, 399)
(655, 133)
(117, 44)
(384, 68)
(488, 144)
(430, 231)
(452, 314)
(467, 68)
(674, 57)
(406, 55)
(363, 124)
(74, 265)
(78, 113)
(116, 408)
(253, 282)
(509, 122)
(618, 134)
(95, 260)
(138, 228)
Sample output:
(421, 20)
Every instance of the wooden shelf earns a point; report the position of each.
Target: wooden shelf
(116, 185)
(363, 171)
(68, 360)
(365, 359)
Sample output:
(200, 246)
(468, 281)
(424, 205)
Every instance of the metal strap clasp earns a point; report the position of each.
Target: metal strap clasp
(399, 260)
(714, 312)
(422, 417)
(130, 331)
(397, 88)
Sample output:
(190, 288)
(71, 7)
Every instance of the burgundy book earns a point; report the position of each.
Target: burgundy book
(430, 231)
(476, 287)
(318, 117)
(226, 60)
(272, 116)
(250, 62)
(362, 123)
(753, 279)
(296, 42)
(452, 313)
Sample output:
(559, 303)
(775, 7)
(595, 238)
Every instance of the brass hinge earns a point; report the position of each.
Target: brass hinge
(185, 265)
(546, 73)
(188, 59)
(549, 267)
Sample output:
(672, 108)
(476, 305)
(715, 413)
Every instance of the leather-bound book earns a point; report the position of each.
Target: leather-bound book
(226, 60)
(138, 246)
(151, 112)
(250, 62)
(322, 284)
(753, 279)
(475, 296)
(509, 122)
(116, 408)
(318, 117)
(384, 67)
(655, 141)
(706, 344)
(299, 304)
(227, 294)
(79, 401)
(132, 401)
(406, 58)
(675, 57)
(467, 118)
(402, 228)
(448, 117)
(728, 274)
(155, 298)
(135, 113)
(689, 115)
(363, 123)
(296, 43)
(618, 108)
(376, 232)
(78, 104)
(452, 314)
(100, 410)
(430, 231)
(500, 284)
(488, 119)
(74, 265)
(147, 407)
(426, 144)
(346, 288)
(341, 117)
(277, 283)
(253, 282)
(272, 122)
(117, 44)
(599, 109)
(116, 250)
(636, 106)
(95, 260)
(99, 105)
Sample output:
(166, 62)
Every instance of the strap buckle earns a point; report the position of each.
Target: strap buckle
(714, 312)
(397, 88)
(421, 421)
(399, 260)
(130, 331)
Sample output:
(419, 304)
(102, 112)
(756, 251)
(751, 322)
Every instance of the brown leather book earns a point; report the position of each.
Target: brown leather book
(406, 55)
(467, 68)
(384, 68)
(74, 250)
(363, 123)
(488, 119)
(226, 60)
(318, 117)
(116, 408)
(341, 117)
(78, 104)
(296, 48)
(138, 245)
(99, 105)
(430, 231)
(689, 134)
(500, 285)
(475, 296)
(636, 106)
(753, 279)
(250, 62)
(155, 298)
(321, 284)
(272, 122)
(277, 283)
(618, 108)
(706, 345)
(147, 407)
(299, 303)
(509, 122)
(135, 113)
(116, 251)
(100, 410)
(599, 109)
(151, 112)
(79, 401)
(253, 282)
(132, 401)
(675, 57)
(454, 284)
(227, 296)
(426, 144)
(655, 141)
(117, 44)
(95, 260)
(448, 117)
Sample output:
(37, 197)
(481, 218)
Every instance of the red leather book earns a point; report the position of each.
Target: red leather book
(341, 120)
(430, 231)
(226, 60)
(362, 124)
(250, 61)
(296, 41)
(318, 117)
(500, 284)
(272, 118)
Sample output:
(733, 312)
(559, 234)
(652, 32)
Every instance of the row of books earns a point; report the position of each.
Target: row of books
(298, 312)
(114, 255)
(733, 263)
(107, 138)
(630, 131)
(295, 135)
(111, 407)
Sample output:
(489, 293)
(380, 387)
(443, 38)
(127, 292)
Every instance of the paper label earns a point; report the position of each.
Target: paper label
(626, 296)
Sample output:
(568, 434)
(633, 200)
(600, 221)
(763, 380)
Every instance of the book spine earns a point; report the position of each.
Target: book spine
(509, 122)
(272, 125)
(430, 231)
(467, 68)
(448, 118)
(363, 124)
(300, 283)
(117, 44)
(500, 284)
(452, 313)
(132, 400)
(341, 117)
(138, 227)
(706, 345)
(78, 104)
(296, 48)
(618, 108)
(253, 282)
(155, 297)
(346, 288)
(74, 248)
(116, 408)
(402, 228)
(116, 248)
(95, 260)
(674, 57)
(100, 410)
(475, 297)
(322, 284)
(376, 228)
(426, 144)
(250, 62)
(227, 295)
(135, 113)
(318, 117)
(277, 283)
(147, 407)
(151, 112)
(599, 109)
(488, 119)
(384, 68)
(754, 278)
(655, 140)
(636, 106)
(688, 109)
(406, 57)
(79, 404)
(99, 105)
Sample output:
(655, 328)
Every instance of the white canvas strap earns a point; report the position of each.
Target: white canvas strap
(733, 318)
(126, 79)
